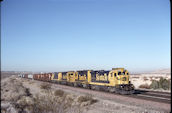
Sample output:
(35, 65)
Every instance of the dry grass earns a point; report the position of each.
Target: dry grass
(146, 86)
(45, 86)
(54, 104)
(157, 77)
(87, 98)
(145, 78)
(151, 78)
(49, 101)
(135, 77)
(31, 82)
(12, 90)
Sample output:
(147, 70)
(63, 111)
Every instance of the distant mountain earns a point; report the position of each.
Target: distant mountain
(14, 72)
(160, 71)
(166, 71)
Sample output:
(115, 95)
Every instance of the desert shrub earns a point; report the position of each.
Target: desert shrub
(156, 77)
(59, 93)
(45, 86)
(151, 78)
(84, 98)
(145, 78)
(12, 80)
(154, 84)
(162, 83)
(31, 82)
(53, 104)
(44, 104)
(169, 84)
(87, 98)
(27, 91)
(146, 86)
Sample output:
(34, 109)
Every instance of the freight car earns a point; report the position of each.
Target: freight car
(36, 76)
(115, 80)
(26, 76)
(20, 75)
(30, 76)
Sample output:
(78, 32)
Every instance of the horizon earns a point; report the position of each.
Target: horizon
(131, 72)
(64, 35)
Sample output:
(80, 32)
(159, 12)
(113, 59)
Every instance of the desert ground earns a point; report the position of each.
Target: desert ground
(146, 79)
(19, 95)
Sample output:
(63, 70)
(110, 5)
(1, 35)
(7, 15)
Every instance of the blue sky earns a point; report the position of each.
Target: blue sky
(63, 35)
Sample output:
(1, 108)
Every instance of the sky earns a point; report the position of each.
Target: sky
(65, 35)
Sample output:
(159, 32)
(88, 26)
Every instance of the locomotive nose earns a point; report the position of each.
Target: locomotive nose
(124, 78)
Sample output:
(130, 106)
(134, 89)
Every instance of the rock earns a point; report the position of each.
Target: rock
(25, 100)
(12, 90)
(5, 105)
(12, 110)
(85, 103)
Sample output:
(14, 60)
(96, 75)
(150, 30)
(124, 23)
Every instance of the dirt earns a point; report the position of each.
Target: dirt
(18, 94)
(142, 79)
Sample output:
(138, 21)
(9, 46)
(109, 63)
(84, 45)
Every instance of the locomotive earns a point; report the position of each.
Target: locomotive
(114, 81)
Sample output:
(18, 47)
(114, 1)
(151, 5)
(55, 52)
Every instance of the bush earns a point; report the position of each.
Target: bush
(154, 84)
(52, 104)
(59, 93)
(162, 83)
(145, 79)
(45, 86)
(87, 98)
(47, 103)
(169, 84)
(31, 82)
(146, 86)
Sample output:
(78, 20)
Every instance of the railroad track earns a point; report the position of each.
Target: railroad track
(163, 97)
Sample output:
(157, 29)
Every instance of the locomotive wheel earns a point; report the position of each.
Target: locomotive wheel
(111, 90)
(72, 84)
(117, 91)
(97, 88)
(75, 84)
(85, 86)
(93, 87)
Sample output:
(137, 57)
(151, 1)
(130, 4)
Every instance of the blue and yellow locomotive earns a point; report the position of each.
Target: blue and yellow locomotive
(115, 80)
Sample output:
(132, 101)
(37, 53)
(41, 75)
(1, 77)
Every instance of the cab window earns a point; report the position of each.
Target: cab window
(121, 73)
(115, 74)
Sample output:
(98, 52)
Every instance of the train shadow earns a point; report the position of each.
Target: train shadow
(140, 91)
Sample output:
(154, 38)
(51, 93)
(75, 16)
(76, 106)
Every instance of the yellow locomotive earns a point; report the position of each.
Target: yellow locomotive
(115, 80)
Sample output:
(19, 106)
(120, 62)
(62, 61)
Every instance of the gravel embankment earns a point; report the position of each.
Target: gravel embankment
(121, 102)
(105, 102)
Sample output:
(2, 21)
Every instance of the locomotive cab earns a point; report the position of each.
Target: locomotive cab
(121, 81)
(122, 78)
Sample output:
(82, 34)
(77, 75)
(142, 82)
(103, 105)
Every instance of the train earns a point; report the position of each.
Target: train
(114, 81)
